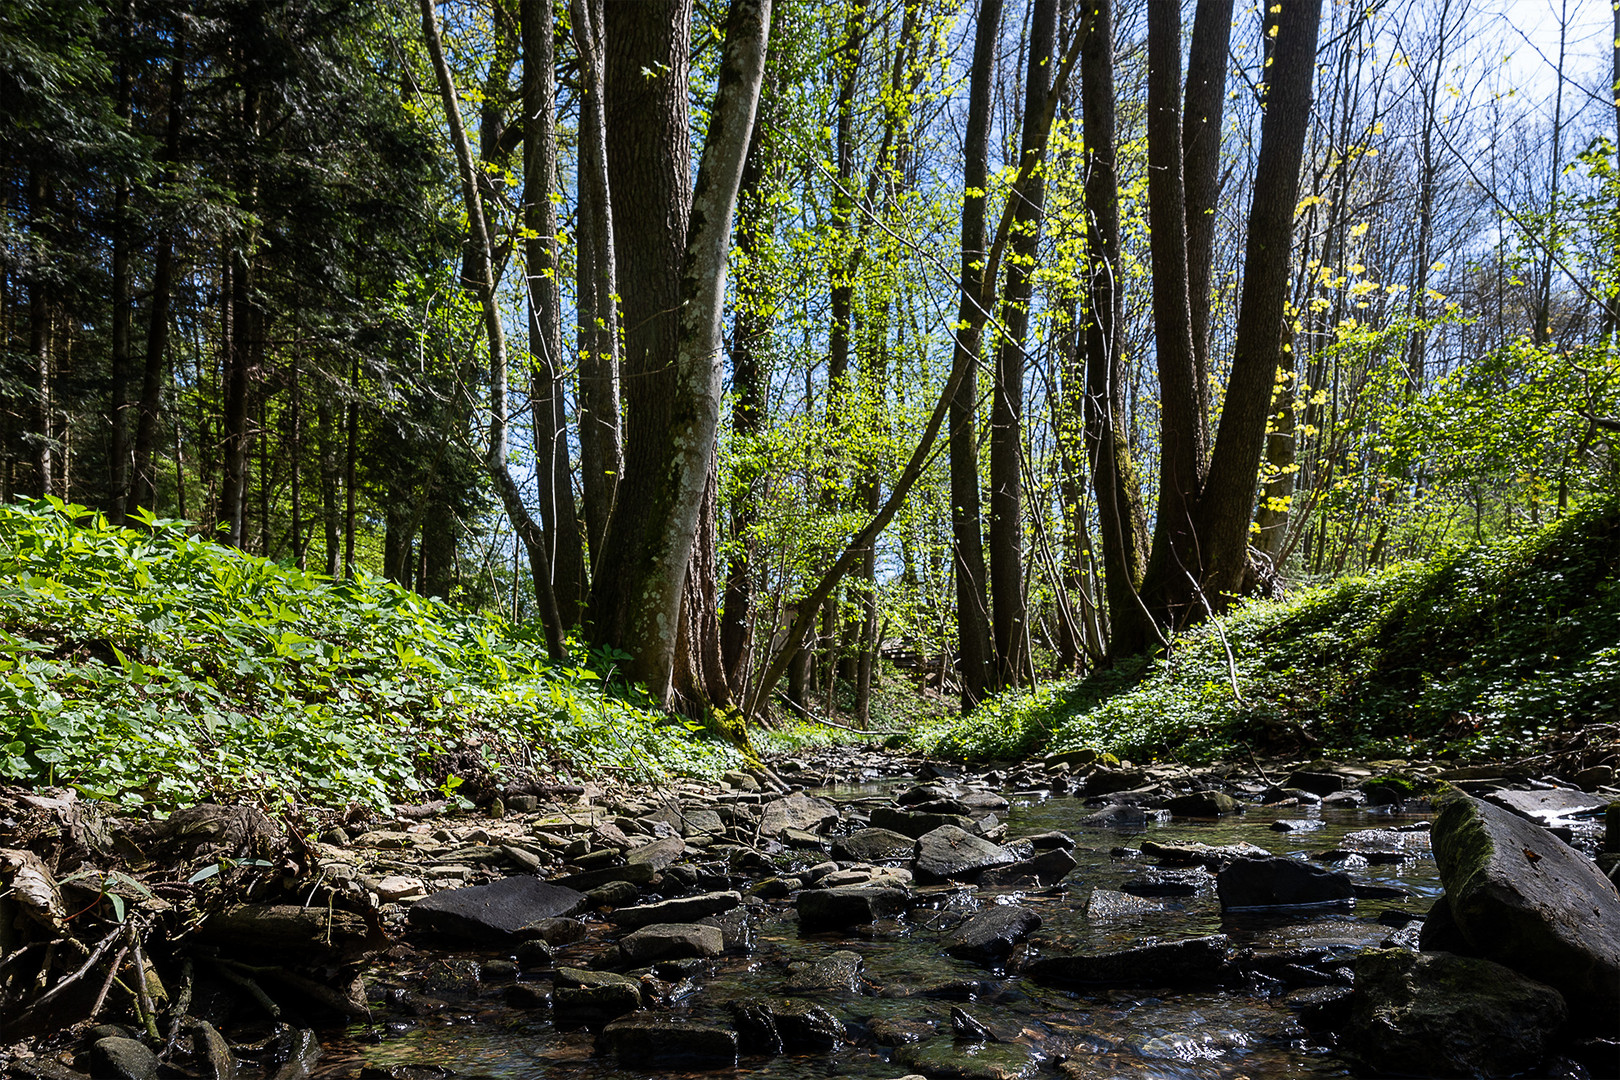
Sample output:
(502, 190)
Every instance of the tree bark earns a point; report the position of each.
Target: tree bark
(122, 314)
(1007, 401)
(975, 656)
(547, 371)
(1200, 164)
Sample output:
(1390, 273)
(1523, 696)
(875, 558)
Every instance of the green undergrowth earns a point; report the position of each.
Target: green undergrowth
(150, 667)
(1491, 651)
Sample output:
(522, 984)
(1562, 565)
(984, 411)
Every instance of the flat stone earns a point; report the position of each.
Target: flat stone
(1047, 868)
(1170, 881)
(834, 909)
(593, 997)
(874, 846)
(557, 931)
(1107, 904)
(1191, 961)
(1203, 804)
(1435, 1014)
(671, 941)
(1297, 825)
(1113, 781)
(500, 911)
(796, 811)
(1317, 783)
(399, 887)
(784, 1025)
(1279, 881)
(685, 909)
(1548, 807)
(646, 1043)
(949, 852)
(989, 937)
(1210, 857)
(1525, 899)
(658, 854)
(839, 971)
(1124, 815)
(635, 873)
(945, 1059)
(612, 894)
(912, 824)
(893, 877)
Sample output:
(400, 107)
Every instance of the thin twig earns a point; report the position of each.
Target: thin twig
(53, 992)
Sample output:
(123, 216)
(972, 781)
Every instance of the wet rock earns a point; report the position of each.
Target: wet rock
(736, 930)
(1191, 961)
(1317, 783)
(633, 873)
(1440, 932)
(501, 911)
(1344, 799)
(1047, 841)
(298, 1050)
(1210, 857)
(891, 1031)
(969, 1028)
(592, 998)
(797, 811)
(658, 854)
(123, 1059)
(741, 781)
(1523, 898)
(983, 801)
(212, 1051)
(614, 894)
(784, 1025)
(647, 1043)
(1047, 868)
(1289, 796)
(1122, 815)
(532, 955)
(1171, 881)
(671, 941)
(685, 909)
(1203, 804)
(1112, 781)
(948, 852)
(839, 971)
(1107, 904)
(1548, 807)
(874, 846)
(989, 937)
(1321, 1008)
(833, 909)
(1279, 881)
(1611, 828)
(42, 1069)
(1297, 825)
(557, 931)
(945, 1059)
(915, 825)
(1438, 1014)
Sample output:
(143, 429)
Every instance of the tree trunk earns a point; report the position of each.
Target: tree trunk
(975, 657)
(1200, 164)
(118, 415)
(601, 450)
(547, 382)
(326, 440)
(1007, 401)
(1228, 499)
(674, 242)
(1121, 517)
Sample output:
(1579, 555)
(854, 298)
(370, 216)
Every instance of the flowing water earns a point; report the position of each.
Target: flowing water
(908, 981)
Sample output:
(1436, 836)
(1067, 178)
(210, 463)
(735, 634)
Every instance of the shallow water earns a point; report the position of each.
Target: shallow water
(1210, 1035)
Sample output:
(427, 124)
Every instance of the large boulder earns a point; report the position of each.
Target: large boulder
(1525, 899)
(1191, 961)
(1278, 881)
(501, 911)
(1436, 1014)
(948, 852)
(989, 937)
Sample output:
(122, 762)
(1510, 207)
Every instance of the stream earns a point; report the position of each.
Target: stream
(472, 1014)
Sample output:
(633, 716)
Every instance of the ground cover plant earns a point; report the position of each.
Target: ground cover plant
(146, 665)
(1493, 650)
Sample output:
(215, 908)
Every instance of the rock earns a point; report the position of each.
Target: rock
(893, 877)
(1317, 783)
(400, 887)
(658, 854)
(1437, 1014)
(834, 909)
(557, 931)
(593, 998)
(1593, 778)
(1203, 804)
(1279, 881)
(123, 1059)
(1191, 961)
(1121, 815)
(942, 1059)
(839, 971)
(988, 938)
(874, 846)
(1048, 840)
(1523, 898)
(915, 825)
(797, 811)
(671, 941)
(1547, 807)
(895, 1031)
(701, 822)
(633, 873)
(784, 1025)
(1170, 881)
(534, 954)
(1321, 1008)
(736, 930)
(298, 1049)
(1344, 799)
(948, 852)
(1297, 825)
(969, 1028)
(1047, 868)
(501, 911)
(1611, 827)
(1205, 855)
(1112, 781)
(740, 781)
(646, 1043)
(614, 894)
(212, 1051)
(1107, 904)
(685, 909)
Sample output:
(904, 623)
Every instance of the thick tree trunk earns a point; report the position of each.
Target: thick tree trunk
(548, 370)
(1201, 164)
(1007, 402)
(673, 242)
(1228, 500)
(601, 448)
(975, 657)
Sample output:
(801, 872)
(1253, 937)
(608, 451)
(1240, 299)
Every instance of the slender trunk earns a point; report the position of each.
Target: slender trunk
(1007, 401)
(975, 658)
(143, 490)
(326, 442)
(548, 372)
(1201, 163)
(241, 345)
(351, 451)
(295, 405)
(601, 450)
(122, 313)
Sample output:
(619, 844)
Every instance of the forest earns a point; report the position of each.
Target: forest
(754, 351)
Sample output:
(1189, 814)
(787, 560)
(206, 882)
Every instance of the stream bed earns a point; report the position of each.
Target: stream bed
(471, 1013)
